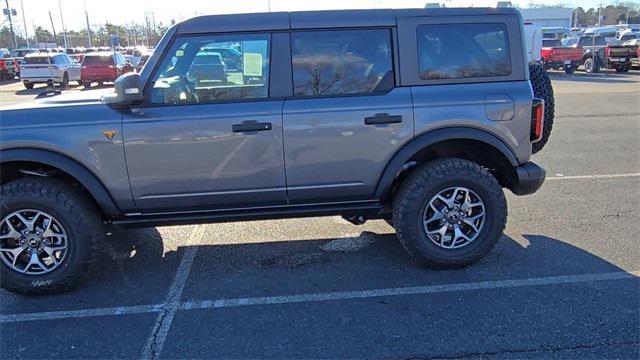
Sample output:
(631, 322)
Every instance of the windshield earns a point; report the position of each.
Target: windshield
(98, 60)
(36, 60)
(551, 43)
(588, 41)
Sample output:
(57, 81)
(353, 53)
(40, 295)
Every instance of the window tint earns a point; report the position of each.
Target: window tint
(454, 51)
(551, 43)
(589, 40)
(207, 69)
(98, 60)
(36, 60)
(341, 62)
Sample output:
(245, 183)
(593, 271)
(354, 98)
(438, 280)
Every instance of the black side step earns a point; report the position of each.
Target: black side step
(371, 209)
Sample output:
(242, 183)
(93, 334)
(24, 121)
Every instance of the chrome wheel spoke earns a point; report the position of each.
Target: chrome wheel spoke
(34, 260)
(12, 234)
(15, 252)
(28, 224)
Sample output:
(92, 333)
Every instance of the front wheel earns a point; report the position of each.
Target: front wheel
(65, 81)
(591, 66)
(49, 236)
(449, 213)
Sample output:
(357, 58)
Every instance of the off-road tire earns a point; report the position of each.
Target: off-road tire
(428, 180)
(77, 214)
(542, 89)
(28, 86)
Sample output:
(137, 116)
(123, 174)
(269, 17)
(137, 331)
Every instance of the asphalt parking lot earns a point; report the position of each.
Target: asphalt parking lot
(562, 282)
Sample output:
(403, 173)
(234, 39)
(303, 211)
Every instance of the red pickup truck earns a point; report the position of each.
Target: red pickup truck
(556, 56)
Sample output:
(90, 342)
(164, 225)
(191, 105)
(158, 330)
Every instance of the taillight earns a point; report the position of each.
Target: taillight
(607, 52)
(537, 119)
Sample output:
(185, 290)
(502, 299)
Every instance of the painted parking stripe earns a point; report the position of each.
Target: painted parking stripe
(57, 315)
(420, 290)
(161, 328)
(594, 177)
(319, 297)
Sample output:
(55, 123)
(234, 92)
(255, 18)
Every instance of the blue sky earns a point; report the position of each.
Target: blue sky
(127, 11)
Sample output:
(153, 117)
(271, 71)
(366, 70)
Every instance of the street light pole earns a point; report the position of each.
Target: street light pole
(13, 34)
(24, 21)
(64, 29)
(86, 14)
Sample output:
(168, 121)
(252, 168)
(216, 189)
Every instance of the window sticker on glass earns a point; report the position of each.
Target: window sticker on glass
(252, 64)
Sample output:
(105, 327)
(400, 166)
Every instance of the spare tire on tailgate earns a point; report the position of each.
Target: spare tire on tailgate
(542, 89)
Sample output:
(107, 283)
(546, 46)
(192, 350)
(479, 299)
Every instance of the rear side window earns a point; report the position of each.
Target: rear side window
(455, 51)
(342, 62)
(98, 60)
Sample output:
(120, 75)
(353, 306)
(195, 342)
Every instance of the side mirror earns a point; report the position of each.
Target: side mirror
(127, 92)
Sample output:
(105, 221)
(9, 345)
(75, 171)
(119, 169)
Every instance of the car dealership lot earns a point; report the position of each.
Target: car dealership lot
(562, 282)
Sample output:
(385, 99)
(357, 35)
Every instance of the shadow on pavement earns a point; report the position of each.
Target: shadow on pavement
(135, 270)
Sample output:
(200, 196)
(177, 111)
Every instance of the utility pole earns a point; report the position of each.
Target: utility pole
(53, 27)
(13, 34)
(64, 29)
(24, 21)
(86, 15)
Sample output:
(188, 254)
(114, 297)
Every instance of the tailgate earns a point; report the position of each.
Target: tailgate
(98, 71)
(36, 71)
(623, 51)
(568, 53)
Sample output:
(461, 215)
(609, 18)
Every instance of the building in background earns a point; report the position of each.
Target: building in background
(549, 17)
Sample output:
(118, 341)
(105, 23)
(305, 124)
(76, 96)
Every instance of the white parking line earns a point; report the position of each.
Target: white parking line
(420, 290)
(594, 177)
(160, 330)
(319, 297)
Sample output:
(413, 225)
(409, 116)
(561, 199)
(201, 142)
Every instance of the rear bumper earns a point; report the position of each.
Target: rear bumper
(39, 79)
(529, 178)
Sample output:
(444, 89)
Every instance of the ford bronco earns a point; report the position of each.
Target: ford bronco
(368, 114)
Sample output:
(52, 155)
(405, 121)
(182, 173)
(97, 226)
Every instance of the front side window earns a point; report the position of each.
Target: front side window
(455, 51)
(341, 62)
(208, 69)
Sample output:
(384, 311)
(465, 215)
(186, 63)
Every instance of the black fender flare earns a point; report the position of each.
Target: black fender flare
(77, 171)
(397, 163)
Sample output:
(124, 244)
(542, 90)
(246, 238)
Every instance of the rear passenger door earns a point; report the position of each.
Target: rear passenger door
(346, 118)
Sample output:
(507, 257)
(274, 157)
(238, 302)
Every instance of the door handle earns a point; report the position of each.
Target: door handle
(250, 126)
(383, 118)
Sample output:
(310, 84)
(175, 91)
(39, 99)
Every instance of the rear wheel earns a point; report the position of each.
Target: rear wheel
(49, 236)
(449, 213)
(65, 81)
(28, 85)
(569, 69)
(591, 66)
(623, 68)
(80, 83)
(542, 89)
(87, 85)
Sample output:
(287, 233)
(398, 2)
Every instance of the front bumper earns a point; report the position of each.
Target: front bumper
(528, 179)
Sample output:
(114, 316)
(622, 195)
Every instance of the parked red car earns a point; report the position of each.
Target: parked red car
(103, 67)
(556, 56)
(7, 69)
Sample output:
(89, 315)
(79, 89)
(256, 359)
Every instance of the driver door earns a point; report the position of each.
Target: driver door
(208, 136)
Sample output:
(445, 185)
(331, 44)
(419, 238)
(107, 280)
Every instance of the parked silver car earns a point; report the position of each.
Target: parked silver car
(48, 68)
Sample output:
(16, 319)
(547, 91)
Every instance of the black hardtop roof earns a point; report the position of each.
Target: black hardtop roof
(322, 19)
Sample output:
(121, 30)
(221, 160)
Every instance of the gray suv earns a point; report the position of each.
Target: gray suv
(419, 117)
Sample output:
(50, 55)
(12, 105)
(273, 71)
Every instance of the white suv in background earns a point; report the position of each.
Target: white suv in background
(48, 68)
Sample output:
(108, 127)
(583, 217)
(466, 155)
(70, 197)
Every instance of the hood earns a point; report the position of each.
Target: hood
(73, 98)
